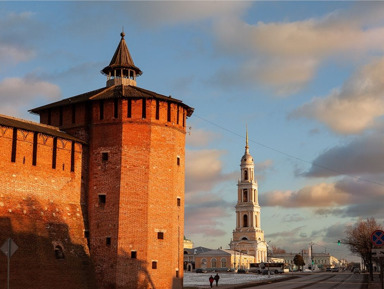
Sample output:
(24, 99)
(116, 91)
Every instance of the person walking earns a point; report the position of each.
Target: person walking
(217, 277)
(211, 280)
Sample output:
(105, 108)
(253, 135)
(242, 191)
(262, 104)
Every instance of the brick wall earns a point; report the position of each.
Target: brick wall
(41, 212)
(134, 167)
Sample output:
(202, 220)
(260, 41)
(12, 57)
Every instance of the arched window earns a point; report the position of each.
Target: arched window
(59, 254)
(245, 221)
(204, 262)
(256, 221)
(223, 262)
(244, 238)
(245, 175)
(213, 263)
(245, 195)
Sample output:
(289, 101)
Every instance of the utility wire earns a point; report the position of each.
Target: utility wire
(290, 155)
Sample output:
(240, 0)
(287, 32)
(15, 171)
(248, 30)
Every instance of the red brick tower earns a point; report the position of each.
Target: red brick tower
(133, 176)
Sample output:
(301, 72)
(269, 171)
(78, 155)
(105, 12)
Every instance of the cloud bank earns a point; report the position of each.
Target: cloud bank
(19, 93)
(355, 106)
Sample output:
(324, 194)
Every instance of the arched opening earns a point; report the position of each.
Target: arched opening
(245, 221)
(245, 195)
(246, 175)
(223, 262)
(59, 253)
(204, 263)
(244, 238)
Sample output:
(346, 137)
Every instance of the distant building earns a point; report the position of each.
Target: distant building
(320, 260)
(223, 260)
(248, 238)
(190, 255)
(188, 244)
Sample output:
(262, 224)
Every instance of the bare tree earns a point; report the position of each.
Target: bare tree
(359, 240)
(277, 250)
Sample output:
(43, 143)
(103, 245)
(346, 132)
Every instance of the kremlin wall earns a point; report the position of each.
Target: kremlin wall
(93, 195)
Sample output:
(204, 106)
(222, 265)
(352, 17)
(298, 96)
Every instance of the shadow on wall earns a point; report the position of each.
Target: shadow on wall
(133, 274)
(46, 256)
(52, 252)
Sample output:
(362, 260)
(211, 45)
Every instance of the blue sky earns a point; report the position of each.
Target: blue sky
(306, 77)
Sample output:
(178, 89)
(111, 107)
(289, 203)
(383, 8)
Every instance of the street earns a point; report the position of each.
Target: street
(322, 281)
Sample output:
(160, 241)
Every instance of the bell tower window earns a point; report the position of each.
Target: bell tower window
(246, 175)
(245, 221)
(245, 196)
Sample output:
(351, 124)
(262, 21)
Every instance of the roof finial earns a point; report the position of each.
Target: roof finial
(122, 34)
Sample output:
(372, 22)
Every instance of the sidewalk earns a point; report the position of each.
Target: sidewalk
(376, 283)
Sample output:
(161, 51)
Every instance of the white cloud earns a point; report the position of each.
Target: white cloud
(15, 26)
(204, 214)
(13, 54)
(321, 195)
(347, 197)
(362, 156)
(355, 106)
(200, 137)
(204, 170)
(21, 92)
(286, 55)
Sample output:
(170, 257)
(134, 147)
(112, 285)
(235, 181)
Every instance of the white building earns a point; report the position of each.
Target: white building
(320, 260)
(248, 238)
(223, 260)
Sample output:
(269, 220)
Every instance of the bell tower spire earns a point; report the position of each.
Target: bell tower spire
(248, 236)
(246, 142)
(121, 70)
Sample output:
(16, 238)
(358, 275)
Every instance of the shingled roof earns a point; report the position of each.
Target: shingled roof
(121, 59)
(117, 91)
(13, 122)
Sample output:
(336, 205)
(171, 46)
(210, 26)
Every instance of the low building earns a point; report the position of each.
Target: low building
(223, 260)
(320, 260)
(189, 256)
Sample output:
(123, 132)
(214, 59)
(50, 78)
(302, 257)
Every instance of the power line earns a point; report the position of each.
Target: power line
(290, 155)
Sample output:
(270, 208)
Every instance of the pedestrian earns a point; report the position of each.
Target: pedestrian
(217, 277)
(211, 280)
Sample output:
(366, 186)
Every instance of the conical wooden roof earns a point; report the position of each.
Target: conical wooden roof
(121, 59)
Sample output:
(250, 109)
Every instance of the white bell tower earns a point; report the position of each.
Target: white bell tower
(248, 237)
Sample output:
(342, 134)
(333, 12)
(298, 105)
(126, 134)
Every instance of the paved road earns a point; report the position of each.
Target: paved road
(321, 281)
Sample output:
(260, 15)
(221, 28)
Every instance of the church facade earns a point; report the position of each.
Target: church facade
(248, 237)
(93, 195)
